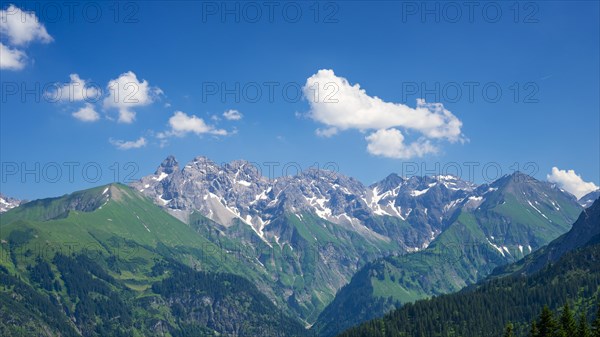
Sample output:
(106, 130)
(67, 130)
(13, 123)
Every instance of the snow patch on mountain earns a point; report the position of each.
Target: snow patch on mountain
(7, 203)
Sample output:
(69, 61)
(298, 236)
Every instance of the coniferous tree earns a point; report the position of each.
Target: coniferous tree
(534, 332)
(547, 324)
(509, 330)
(568, 326)
(583, 329)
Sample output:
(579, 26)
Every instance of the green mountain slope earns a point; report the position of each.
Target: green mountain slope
(310, 259)
(106, 220)
(584, 231)
(571, 276)
(108, 262)
(512, 217)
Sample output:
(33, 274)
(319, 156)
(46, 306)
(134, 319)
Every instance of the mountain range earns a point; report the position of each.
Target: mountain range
(310, 231)
(441, 218)
(564, 272)
(317, 249)
(498, 224)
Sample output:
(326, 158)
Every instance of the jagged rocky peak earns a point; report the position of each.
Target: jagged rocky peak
(389, 183)
(334, 179)
(419, 185)
(168, 166)
(329, 194)
(201, 164)
(449, 182)
(244, 171)
(203, 160)
(241, 172)
(453, 182)
(317, 173)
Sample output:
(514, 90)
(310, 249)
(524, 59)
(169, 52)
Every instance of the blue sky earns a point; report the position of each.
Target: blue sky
(544, 56)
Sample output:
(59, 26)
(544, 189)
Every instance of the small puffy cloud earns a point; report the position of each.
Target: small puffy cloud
(327, 132)
(128, 145)
(11, 59)
(571, 182)
(341, 106)
(74, 91)
(22, 27)
(390, 143)
(87, 114)
(182, 124)
(126, 93)
(232, 115)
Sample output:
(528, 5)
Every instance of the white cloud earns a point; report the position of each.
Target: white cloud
(327, 132)
(127, 92)
(128, 145)
(571, 182)
(341, 106)
(19, 28)
(75, 91)
(390, 143)
(11, 59)
(87, 113)
(232, 115)
(182, 124)
(22, 27)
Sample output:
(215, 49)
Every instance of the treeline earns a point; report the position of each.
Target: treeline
(99, 307)
(26, 312)
(485, 309)
(564, 324)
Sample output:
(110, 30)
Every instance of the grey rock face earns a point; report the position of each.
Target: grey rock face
(236, 190)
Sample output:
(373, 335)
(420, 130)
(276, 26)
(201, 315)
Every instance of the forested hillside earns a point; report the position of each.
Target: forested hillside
(486, 308)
